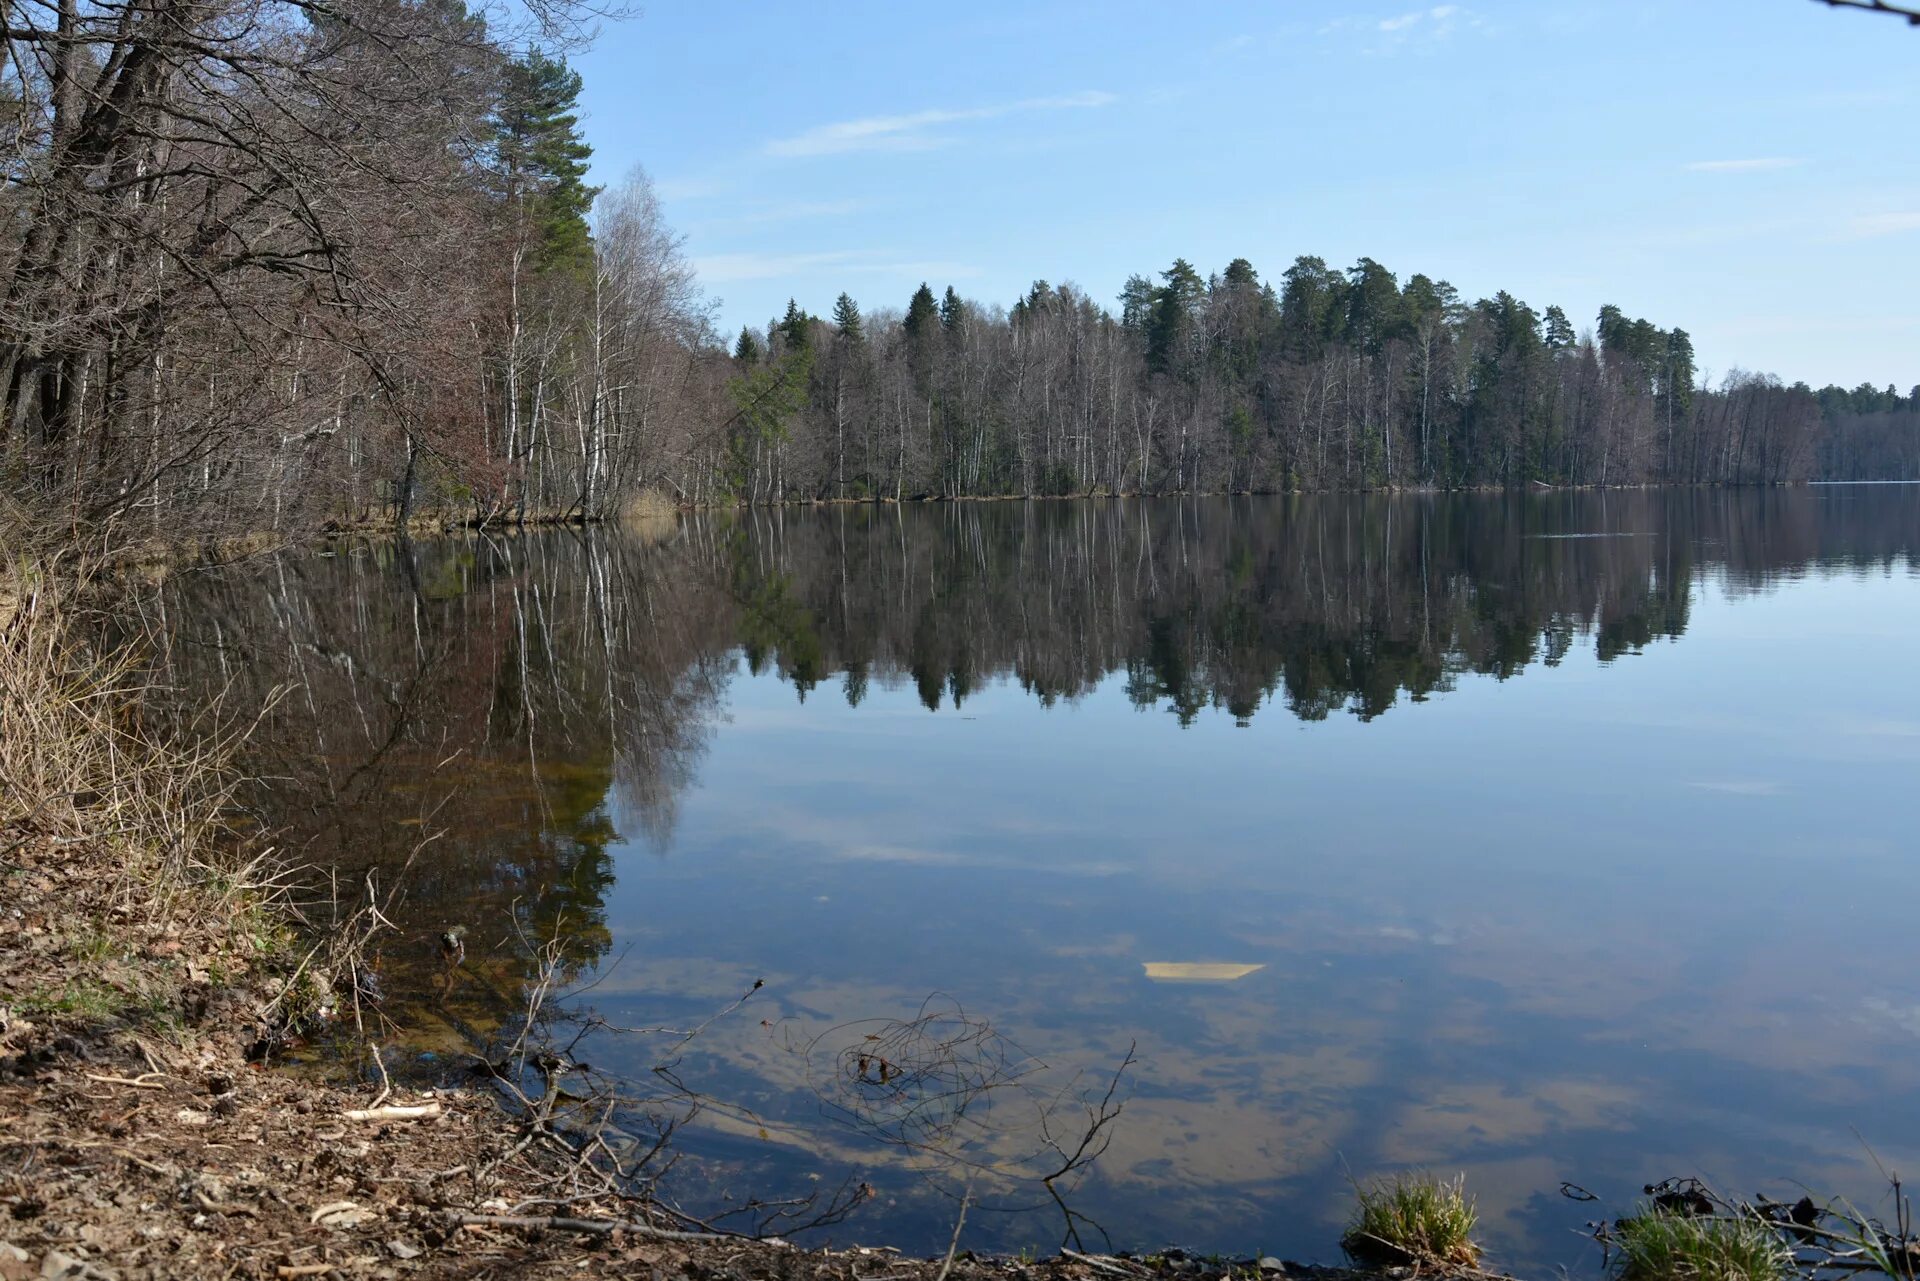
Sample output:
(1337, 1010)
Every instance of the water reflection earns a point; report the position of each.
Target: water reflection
(1603, 923)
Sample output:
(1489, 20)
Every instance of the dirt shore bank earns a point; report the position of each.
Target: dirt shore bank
(128, 1155)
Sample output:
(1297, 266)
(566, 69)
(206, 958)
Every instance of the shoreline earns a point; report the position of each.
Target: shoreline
(137, 1138)
(154, 951)
(644, 513)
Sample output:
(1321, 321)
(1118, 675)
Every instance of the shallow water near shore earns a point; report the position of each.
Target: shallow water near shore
(1544, 837)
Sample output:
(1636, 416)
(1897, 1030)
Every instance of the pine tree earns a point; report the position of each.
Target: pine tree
(1136, 302)
(796, 329)
(953, 312)
(1373, 305)
(846, 319)
(1559, 330)
(922, 315)
(746, 349)
(543, 160)
(1171, 323)
(1311, 307)
(921, 325)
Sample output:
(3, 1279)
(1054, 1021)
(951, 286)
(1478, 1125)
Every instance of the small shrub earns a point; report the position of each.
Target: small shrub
(1413, 1218)
(649, 505)
(1661, 1245)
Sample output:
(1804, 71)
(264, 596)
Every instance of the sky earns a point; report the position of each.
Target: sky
(1747, 170)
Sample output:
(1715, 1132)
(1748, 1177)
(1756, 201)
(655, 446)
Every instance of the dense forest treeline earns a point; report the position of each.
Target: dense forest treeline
(1325, 380)
(270, 266)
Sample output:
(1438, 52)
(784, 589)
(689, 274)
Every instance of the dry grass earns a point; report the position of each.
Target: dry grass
(648, 506)
(121, 874)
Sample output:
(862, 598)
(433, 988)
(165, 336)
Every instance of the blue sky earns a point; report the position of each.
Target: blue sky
(1745, 169)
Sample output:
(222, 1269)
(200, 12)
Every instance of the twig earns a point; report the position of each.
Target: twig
(160, 1170)
(1097, 1263)
(598, 1227)
(1878, 6)
(953, 1246)
(408, 1112)
(138, 1083)
(386, 1085)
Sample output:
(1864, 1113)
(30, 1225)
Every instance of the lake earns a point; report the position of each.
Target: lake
(1547, 837)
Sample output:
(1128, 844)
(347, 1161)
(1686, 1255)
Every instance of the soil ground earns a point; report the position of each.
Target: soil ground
(122, 1156)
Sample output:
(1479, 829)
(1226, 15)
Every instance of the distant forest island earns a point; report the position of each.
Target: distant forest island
(358, 275)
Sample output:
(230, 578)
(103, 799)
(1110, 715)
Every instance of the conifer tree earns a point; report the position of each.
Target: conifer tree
(543, 160)
(796, 329)
(921, 324)
(953, 313)
(922, 315)
(1136, 302)
(846, 319)
(1172, 319)
(1560, 334)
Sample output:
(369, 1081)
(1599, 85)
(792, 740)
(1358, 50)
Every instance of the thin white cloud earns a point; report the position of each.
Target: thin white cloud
(1440, 13)
(913, 856)
(917, 131)
(1437, 21)
(1433, 24)
(918, 269)
(689, 188)
(1867, 226)
(1757, 164)
(1738, 786)
(793, 211)
(721, 268)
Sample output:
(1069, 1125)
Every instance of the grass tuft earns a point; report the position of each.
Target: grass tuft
(1661, 1245)
(1413, 1218)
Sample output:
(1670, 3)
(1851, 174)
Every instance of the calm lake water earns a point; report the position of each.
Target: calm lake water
(1546, 837)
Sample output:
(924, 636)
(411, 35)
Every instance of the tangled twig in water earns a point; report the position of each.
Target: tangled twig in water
(970, 1103)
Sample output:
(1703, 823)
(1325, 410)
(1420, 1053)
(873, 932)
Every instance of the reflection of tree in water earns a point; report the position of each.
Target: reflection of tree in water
(523, 695)
(1319, 604)
(512, 696)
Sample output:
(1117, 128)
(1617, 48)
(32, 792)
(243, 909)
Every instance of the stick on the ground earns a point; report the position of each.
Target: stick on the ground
(596, 1226)
(953, 1246)
(409, 1112)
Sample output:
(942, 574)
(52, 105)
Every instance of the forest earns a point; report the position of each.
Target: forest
(267, 267)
